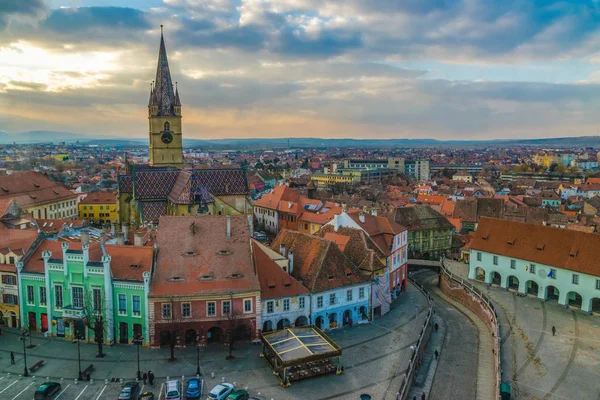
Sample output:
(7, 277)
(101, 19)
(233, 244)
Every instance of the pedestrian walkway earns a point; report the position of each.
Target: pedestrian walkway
(485, 371)
(426, 374)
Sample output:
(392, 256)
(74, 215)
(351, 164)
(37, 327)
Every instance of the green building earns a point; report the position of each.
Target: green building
(79, 289)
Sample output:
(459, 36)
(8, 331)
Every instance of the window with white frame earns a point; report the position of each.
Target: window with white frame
(58, 297)
(137, 305)
(301, 302)
(513, 264)
(286, 304)
(478, 256)
(332, 298)
(42, 295)
(495, 260)
(166, 310)
(186, 310)
(270, 307)
(320, 302)
(349, 295)
(97, 300)
(532, 269)
(211, 308)
(30, 295)
(247, 306)
(598, 284)
(225, 307)
(122, 304)
(575, 279)
(77, 293)
(361, 293)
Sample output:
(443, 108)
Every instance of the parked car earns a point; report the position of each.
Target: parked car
(220, 392)
(46, 391)
(146, 396)
(238, 395)
(194, 389)
(129, 391)
(260, 236)
(173, 390)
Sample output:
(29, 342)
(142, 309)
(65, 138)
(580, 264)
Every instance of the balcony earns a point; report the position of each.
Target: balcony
(71, 312)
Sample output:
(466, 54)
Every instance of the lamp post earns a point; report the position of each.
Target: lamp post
(77, 340)
(198, 354)
(22, 338)
(138, 341)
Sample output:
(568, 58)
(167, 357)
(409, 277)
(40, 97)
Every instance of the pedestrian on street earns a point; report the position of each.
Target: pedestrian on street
(12, 357)
(423, 396)
(151, 377)
(436, 327)
(414, 397)
(145, 377)
(436, 354)
(553, 330)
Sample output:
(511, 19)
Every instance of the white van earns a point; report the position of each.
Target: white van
(173, 390)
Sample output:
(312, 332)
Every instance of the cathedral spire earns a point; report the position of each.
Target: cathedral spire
(177, 101)
(164, 96)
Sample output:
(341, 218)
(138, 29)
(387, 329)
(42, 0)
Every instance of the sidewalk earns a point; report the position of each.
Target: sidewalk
(426, 375)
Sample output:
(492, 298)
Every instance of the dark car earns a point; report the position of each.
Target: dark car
(194, 389)
(146, 396)
(129, 391)
(238, 395)
(46, 391)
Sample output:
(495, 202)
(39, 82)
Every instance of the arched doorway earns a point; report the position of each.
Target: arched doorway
(190, 336)
(283, 323)
(363, 313)
(301, 321)
(320, 321)
(480, 274)
(595, 305)
(267, 326)
(215, 335)
(165, 338)
(496, 278)
(532, 288)
(347, 317)
(574, 299)
(513, 282)
(552, 293)
(243, 332)
(333, 323)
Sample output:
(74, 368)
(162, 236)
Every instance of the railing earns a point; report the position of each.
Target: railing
(495, 326)
(419, 349)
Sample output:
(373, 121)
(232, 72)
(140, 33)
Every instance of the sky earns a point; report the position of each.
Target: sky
(443, 69)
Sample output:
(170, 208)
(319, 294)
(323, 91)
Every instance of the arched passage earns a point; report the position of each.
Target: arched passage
(347, 317)
(215, 335)
(513, 282)
(243, 332)
(552, 293)
(333, 322)
(283, 323)
(319, 322)
(301, 321)
(190, 336)
(595, 305)
(363, 313)
(496, 278)
(532, 288)
(574, 299)
(267, 326)
(165, 338)
(480, 274)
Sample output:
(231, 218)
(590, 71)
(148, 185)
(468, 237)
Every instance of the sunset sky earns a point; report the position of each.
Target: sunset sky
(444, 69)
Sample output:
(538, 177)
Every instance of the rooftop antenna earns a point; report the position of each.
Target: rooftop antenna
(161, 29)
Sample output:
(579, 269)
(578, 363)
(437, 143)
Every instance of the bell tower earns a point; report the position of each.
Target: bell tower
(164, 116)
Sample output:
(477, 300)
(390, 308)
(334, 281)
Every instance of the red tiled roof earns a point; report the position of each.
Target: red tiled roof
(32, 188)
(340, 240)
(274, 281)
(17, 240)
(99, 198)
(279, 195)
(4, 205)
(568, 249)
(196, 257)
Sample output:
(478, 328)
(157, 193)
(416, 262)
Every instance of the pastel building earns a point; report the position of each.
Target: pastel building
(66, 287)
(542, 261)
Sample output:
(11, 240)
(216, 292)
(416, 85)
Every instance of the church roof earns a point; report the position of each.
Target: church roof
(223, 182)
(163, 96)
(187, 190)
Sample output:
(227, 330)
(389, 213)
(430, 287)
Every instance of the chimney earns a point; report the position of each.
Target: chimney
(120, 239)
(365, 209)
(138, 239)
(361, 217)
(336, 222)
(85, 238)
(374, 212)
(291, 262)
(282, 249)
(126, 232)
(251, 225)
(102, 238)
(228, 226)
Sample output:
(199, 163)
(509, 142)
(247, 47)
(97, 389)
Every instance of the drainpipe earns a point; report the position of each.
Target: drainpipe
(65, 247)
(21, 291)
(146, 276)
(108, 296)
(46, 255)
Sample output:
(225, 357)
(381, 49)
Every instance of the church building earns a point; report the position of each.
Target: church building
(164, 186)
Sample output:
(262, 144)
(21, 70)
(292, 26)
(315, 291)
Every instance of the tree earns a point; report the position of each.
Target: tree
(95, 320)
(233, 325)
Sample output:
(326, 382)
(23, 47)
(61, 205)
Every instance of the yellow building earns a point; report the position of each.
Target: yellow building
(327, 180)
(546, 160)
(99, 207)
(60, 156)
(39, 195)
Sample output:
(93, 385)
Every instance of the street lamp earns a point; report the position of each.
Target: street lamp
(24, 334)
(137, 341)
(78, 339)
(198, 354)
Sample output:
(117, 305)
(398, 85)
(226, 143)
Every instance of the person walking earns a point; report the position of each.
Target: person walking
(12, 357)
(145, 377)
(436, 327)
(437, 354)
(151, 377)
(553, 330)
(423, 396)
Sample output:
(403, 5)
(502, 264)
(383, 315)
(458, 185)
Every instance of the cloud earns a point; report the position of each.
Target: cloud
(94, 19)
(19, 8)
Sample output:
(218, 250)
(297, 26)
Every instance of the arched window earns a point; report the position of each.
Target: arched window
(167, 127)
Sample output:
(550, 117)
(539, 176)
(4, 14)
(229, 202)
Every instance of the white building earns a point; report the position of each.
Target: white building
(546, 262)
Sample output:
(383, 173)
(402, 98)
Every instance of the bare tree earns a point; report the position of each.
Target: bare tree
(233, 326)
(95, 319)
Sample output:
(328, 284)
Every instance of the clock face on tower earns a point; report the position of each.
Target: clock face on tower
(167, 137)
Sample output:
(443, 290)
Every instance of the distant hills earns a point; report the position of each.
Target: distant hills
(32, 137)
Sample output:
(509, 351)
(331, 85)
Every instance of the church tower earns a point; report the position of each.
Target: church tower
(164, 116)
